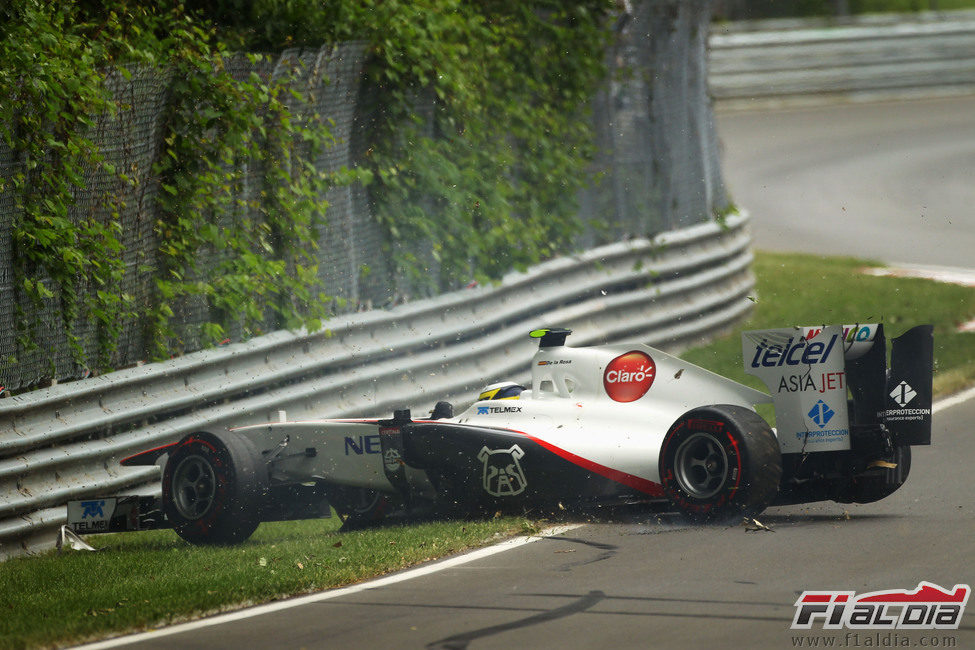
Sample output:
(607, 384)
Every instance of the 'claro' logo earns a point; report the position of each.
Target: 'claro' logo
(629, 376)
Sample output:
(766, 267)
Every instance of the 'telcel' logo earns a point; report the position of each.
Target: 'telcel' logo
(629, 376)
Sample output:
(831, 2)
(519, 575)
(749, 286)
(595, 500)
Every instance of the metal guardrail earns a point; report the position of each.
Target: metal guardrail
(772, 62)
(65, 442)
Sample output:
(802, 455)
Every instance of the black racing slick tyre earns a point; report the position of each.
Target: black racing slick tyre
(214, 487)
(879, 481)
(720, 462)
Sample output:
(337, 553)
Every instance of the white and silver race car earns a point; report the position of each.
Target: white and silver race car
(607, 424)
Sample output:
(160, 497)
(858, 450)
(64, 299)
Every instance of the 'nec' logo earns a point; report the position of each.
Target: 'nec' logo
(502, 475)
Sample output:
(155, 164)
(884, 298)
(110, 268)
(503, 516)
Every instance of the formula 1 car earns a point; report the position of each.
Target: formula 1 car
(608, 424)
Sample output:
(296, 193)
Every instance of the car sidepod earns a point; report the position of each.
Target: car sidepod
(483, 468)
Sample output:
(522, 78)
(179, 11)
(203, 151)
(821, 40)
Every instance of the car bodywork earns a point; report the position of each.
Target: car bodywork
(613, 423)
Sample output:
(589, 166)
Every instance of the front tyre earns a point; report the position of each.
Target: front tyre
(213, 488)
(720, 462)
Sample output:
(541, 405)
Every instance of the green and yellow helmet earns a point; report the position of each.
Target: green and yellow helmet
(501, 390)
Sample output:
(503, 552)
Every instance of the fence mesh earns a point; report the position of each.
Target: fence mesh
(12, 373)
(657, 164)
(656, 169)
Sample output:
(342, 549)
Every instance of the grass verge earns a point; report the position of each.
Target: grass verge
(141, 580)
(797, 289)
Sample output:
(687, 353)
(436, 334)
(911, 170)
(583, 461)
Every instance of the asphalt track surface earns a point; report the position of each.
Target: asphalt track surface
(893, 182)
(651, 581)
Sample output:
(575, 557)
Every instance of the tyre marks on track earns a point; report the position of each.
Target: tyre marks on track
(461, 641)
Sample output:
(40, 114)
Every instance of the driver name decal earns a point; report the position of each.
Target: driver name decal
(629, 376)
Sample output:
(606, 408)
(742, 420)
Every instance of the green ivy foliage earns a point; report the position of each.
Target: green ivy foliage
(52, 91)
(218, 127)
(53, 72)
(481, 136)
(490, 179)
(478, 142)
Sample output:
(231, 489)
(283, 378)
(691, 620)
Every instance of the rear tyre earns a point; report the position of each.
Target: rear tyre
(720, 462)
(213, 488)
(877, 483)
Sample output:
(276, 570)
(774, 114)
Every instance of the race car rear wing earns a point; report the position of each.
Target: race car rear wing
(826, 382)
(898, 397)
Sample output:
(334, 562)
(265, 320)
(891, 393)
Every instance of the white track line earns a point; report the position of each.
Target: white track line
(332, 593)
(954, 400)
(946, 274)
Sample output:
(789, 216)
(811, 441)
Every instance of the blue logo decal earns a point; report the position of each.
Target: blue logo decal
(821, 414)
(92, 509)
(482, 410)
(363, 445)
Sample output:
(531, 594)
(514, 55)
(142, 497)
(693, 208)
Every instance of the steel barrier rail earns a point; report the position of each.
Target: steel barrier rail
(65, 441)
(806, 61)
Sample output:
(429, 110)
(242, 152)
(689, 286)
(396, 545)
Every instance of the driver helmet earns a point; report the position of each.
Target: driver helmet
(501, 390)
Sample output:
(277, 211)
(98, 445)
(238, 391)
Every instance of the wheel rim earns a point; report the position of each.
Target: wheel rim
(194, 487)
(701, 466)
